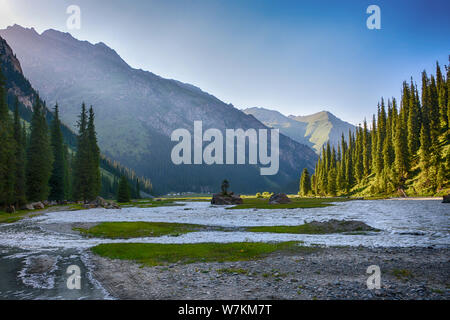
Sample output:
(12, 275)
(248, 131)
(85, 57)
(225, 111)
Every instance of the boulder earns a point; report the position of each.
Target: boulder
(10, 209)
(228, 199)
(279, 198)
(99, 202)
(446, 199)
(27, 207)
(38, 205)
(336, 226)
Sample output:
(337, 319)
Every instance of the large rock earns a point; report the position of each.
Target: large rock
(446, 199)
(38, 205)
(27, 207)
(228, 199)
(279, 198)
(10, 209)
(99, 202)
(336, 226)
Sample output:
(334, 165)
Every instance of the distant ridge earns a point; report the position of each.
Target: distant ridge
(313, 130)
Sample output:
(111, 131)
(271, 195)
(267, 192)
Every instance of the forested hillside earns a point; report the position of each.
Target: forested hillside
(38, 158)
(406, 152)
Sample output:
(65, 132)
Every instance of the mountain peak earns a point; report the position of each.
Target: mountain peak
(55, 34)
(18, 28)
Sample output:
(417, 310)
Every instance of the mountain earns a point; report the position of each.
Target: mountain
(18, 86)
(137, 111)
(314, 130)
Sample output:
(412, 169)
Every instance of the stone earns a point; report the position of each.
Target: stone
(38, 205)
(279, 198)
(446, 199)
(27, 207)
(228, 199)
(10, 209)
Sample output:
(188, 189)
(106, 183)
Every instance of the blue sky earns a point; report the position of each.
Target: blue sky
(298, 57)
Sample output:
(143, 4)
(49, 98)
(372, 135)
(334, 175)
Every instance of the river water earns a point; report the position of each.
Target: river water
(405, 223)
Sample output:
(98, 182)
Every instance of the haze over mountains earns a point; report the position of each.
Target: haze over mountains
(136, 112)
(312, 130)
(18, 86)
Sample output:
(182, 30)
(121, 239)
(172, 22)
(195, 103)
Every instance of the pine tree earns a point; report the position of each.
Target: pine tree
(413, 124)
(138, 189)
(305, 183)
(7, 150)
(57, 181)
(81, 161)
(381, 134)
(94, 157)
(39, 156)
(366, 150)
(123, 193)
(20, 139)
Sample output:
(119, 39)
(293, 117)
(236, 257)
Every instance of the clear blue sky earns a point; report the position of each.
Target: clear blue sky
(298, 57)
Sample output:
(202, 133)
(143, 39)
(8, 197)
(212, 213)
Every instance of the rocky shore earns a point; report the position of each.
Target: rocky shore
(324, 273)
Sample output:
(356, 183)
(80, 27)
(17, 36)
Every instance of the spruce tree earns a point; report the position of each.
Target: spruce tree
(123, 193)
(413, 124)
(305, 183)
(138, 189)
(20, 139)
(57, 181)
(7, 150)
(81, 161)
(39, 156)
(366, 150)
(94, 157)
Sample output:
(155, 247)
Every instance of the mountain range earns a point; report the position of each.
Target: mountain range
(312, 130)
(136, 112)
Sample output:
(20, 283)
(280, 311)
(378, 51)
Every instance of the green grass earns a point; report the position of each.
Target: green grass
(297, 202)
(127, 230)
(18, 215)
(153, 254)
(402, 274)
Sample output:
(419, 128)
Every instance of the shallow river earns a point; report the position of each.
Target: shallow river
(403, 223)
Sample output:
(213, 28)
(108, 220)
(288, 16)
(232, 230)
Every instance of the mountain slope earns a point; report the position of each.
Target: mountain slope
(138, 110)
(313, 130)
(18, 86)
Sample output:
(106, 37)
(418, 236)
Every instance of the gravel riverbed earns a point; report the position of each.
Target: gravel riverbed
(325, 273)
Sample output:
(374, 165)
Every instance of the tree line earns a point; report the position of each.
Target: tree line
(36, 164)
(406, 150)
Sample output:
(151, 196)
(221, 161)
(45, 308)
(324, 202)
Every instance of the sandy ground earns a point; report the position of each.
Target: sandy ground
(328, 273)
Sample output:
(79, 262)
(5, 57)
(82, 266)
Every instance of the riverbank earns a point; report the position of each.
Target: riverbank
(320, 273)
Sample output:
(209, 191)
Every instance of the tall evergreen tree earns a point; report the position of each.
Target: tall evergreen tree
(94, 157)
(20, 139)
(138, 189)
(39, 156)
(305, 183)
(123, 193)
(81, 161)
(7, 150)
(57, 181)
